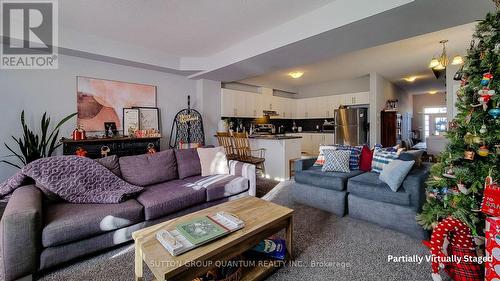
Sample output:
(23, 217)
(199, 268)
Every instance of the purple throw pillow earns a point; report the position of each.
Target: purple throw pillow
(146, 169)
(188, 162)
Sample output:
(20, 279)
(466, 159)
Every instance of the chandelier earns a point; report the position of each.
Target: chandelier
(442, 61)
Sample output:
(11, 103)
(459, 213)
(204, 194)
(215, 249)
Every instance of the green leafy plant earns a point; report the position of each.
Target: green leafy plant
(33, 146)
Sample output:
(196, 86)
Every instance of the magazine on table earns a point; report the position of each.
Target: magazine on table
(198, 231)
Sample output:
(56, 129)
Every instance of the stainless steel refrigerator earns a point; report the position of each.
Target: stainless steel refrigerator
(351, 127)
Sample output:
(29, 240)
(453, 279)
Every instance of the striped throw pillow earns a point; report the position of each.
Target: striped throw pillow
(336, 161)
(381, 158)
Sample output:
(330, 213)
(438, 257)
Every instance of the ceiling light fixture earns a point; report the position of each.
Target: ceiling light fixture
(410, 78)
(457, 60)
(296, 74)
(432, 92)
(442, 61)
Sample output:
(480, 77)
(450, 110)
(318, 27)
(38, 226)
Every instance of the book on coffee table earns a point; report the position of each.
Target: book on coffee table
(198, 231)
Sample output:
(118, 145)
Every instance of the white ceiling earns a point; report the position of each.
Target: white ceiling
(394, 61)
(184, 28)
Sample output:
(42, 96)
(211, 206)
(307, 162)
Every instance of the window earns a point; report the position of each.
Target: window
(434, 110)
(435, 121)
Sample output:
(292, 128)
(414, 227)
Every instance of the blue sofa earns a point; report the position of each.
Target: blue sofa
(363, 196)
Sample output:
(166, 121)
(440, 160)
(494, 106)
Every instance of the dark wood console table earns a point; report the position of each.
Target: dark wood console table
(120, 146)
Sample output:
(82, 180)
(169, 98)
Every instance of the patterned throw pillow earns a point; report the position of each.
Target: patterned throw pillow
(355, 155)
(321, 157)
(381, 158)
(336, 161)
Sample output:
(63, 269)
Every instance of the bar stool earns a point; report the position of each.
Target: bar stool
(225, 140)
(244, 152)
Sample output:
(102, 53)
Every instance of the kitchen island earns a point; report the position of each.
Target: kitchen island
(279, 150)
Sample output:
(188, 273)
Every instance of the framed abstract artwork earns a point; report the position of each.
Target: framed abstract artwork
(101, 101)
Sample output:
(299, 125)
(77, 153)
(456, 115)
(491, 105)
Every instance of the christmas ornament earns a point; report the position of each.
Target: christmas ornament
(469, 155)
(464, 81)
(463, 188)
(453, 125)
(491, 197)
(445, 255)
(484, 97)
(486, 79)
(497, 148)
(483, 129)
(495, 112)
(483, 151)
(469, 138)
(449, 172)
(476, 139)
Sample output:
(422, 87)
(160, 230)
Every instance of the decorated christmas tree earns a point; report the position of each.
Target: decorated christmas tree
(456, 185)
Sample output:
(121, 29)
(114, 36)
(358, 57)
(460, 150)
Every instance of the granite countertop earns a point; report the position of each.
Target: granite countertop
(313, 132)
(274, 137)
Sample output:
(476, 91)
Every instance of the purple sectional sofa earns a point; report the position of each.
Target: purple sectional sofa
(37, 233)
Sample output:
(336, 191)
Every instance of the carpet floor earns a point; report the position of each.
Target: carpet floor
(326, 247)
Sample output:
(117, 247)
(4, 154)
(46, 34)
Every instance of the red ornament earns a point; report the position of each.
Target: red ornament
(491, 198)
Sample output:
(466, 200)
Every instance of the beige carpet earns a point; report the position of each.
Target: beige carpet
(327, 248)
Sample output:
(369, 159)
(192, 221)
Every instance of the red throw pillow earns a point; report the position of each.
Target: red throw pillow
(365, 160)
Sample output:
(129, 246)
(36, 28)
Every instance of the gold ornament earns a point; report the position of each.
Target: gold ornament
(483, 151)
(469, 155)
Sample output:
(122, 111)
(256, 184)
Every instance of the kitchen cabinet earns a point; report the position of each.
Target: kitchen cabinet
(355, 98)
(310, 142)
(236, 103)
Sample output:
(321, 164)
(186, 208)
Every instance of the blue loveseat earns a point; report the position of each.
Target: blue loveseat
(363, 196)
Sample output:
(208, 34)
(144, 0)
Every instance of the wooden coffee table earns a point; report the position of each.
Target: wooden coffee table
(262, 219)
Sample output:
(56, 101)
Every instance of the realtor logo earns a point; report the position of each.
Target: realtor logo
(30, 34)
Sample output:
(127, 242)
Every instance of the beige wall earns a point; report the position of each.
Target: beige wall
(421, 101)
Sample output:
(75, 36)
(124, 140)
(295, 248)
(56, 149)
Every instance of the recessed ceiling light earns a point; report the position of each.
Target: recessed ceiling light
(410, 78)
(432, 92)
(296, 74)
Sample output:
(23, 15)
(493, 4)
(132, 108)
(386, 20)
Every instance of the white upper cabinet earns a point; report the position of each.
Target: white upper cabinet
(247, 104)
(355, 98)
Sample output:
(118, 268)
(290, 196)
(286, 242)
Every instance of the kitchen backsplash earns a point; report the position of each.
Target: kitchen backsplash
(306, 124)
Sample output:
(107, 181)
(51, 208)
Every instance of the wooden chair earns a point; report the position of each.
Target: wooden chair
(225, 140)
(244, 152)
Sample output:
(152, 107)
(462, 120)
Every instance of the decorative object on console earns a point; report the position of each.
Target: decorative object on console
(395, 172)
(110, 129)
(213, 161)
(102, 101)
(105, 150)
(336, 161)
(130, 121)
(81, 152)
(188, 127)
(149, 118)
(151, 148)
(33, 146)
(120, 146)
(79, 134)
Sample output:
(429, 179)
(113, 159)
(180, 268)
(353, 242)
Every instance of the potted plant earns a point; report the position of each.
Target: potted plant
(33, 146)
